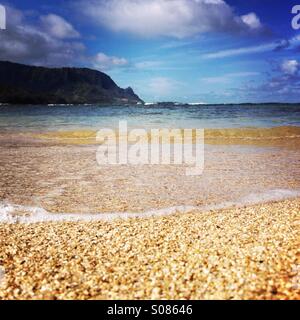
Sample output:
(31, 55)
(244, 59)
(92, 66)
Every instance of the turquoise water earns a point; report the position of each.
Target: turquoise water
(51, 118)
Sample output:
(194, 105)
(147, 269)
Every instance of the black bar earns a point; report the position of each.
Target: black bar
(149, 309)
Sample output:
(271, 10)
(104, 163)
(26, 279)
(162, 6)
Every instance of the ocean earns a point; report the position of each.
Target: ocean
(39, 118)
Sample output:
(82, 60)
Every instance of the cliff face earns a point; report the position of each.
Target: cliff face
(22, 84)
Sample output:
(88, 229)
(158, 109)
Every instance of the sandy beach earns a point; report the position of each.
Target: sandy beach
(248, 253)
(149, 150)
(232, 233)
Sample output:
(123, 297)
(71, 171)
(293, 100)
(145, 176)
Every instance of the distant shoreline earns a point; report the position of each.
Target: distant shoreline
(158, 104)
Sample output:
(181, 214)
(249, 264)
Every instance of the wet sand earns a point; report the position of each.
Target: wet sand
(248, 252)
(287, 136)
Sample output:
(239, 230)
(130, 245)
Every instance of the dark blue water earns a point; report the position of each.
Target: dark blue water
(51, 118)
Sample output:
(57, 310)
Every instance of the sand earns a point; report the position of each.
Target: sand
(248, 253)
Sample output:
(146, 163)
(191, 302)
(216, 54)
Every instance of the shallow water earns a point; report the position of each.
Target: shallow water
(40, 182)
(93, 117)
(46, 177)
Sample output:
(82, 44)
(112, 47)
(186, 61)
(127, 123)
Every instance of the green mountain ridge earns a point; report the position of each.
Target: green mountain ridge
(23, 84)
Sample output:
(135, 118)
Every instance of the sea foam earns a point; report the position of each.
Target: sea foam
(8, 212)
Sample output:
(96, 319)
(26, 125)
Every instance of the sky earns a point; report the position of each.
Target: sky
(194, 51)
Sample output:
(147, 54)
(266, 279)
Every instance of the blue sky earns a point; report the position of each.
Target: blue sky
(210, 51)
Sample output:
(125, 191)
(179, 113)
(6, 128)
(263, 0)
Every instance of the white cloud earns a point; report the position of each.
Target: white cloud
(252, 20)
(290, 67)
(104, 62)
(173, 18)
(239, 51)
(26, 42)
(58, 27)
(281, 84)
(281, 44)
(48, 41)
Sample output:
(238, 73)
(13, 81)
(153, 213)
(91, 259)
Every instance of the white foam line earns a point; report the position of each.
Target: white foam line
(37, 215)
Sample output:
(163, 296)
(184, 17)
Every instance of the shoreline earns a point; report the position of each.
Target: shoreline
(18, 214)
(281, 136)
(257, 136)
